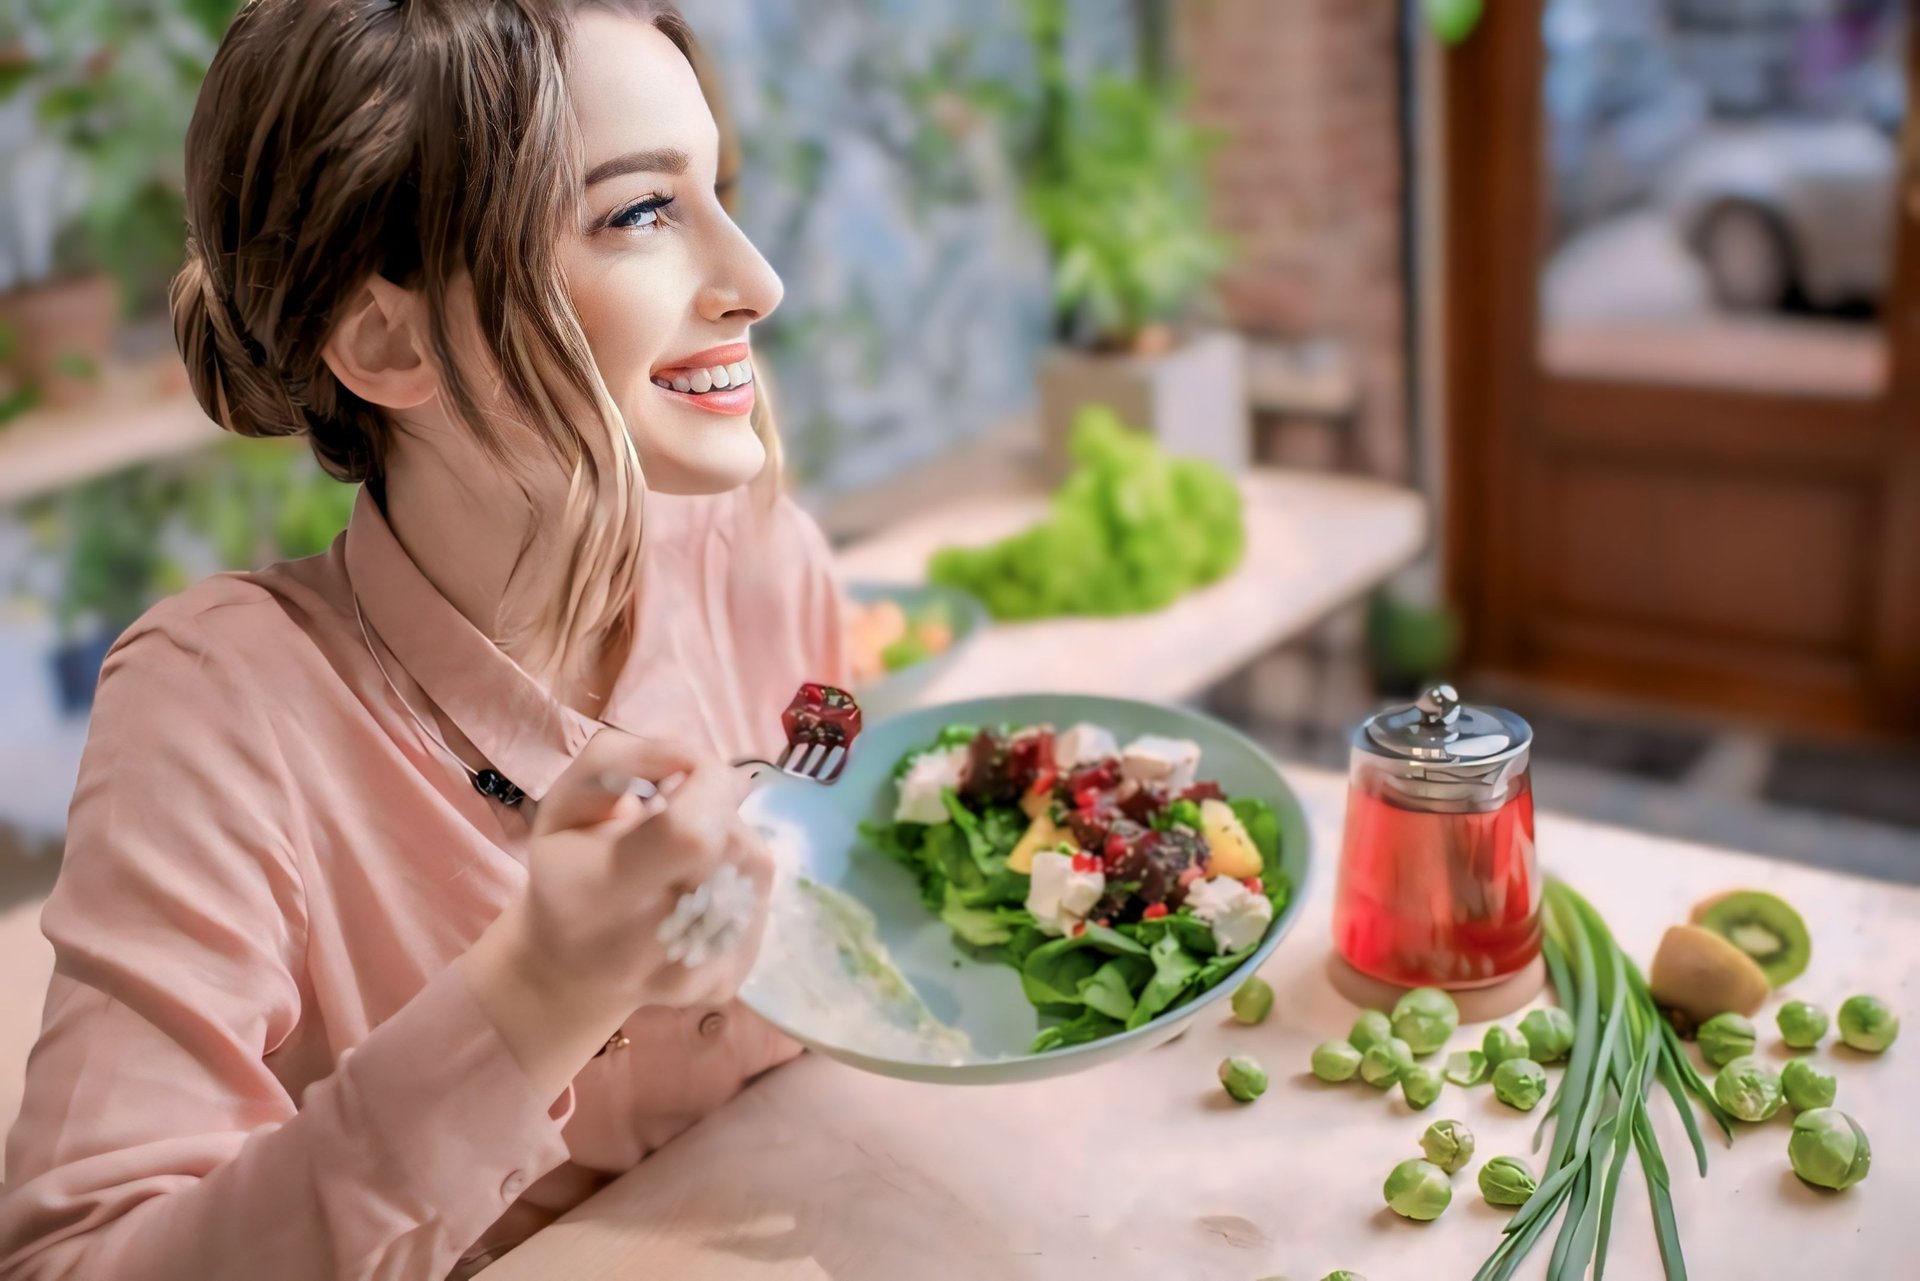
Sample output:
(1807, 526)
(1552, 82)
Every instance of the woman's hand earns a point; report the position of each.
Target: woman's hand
(580, 949)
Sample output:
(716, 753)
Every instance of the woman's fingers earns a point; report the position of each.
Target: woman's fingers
(595, 787)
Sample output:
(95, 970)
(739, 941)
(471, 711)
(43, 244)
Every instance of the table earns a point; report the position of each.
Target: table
(1144, 1169)
(1314, 542)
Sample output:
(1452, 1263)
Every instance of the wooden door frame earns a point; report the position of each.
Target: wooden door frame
(1491, 260)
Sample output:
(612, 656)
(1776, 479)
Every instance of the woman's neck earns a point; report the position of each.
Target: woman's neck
(473, 533)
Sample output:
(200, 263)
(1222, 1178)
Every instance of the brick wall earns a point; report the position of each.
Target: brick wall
(1309, 183)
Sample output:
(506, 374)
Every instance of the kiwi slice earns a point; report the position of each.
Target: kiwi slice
(1697, 974)
(1763, 926)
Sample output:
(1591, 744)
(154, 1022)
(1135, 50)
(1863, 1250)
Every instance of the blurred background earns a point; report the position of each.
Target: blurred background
(1569, 350)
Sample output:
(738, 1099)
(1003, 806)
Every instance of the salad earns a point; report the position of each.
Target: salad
(1116, 879)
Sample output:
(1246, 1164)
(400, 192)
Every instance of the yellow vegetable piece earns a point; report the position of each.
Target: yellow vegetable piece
(1042, 834)
(1232, 851)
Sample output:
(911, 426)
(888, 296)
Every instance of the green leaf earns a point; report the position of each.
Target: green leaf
(1194, 934)
(1466, 1067)
(981, 926)
(1089, 1025)
(1173, 969)
(1110, 990)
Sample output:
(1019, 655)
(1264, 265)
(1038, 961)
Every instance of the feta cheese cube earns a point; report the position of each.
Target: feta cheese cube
(1171, 763)
(1237, 916)
(1058, 896)
(923, 785)
(1084, 744)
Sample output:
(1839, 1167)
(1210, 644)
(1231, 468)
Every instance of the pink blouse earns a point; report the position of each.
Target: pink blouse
(257, 1059)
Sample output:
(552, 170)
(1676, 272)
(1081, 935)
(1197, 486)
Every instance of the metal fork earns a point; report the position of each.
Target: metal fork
(821, 723)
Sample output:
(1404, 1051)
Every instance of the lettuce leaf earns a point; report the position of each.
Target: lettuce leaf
(1174, 969)
(982, 926)
(1263, 825)
(1089, 1025)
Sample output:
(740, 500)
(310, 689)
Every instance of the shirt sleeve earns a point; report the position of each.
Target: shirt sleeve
(155, 1138)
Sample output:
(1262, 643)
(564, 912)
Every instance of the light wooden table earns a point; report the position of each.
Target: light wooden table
(1314, 542)
(1144, 1169)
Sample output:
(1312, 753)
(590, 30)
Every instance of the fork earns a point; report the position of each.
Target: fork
(821, 724)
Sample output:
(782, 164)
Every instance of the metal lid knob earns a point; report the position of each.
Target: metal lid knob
(1439, 704)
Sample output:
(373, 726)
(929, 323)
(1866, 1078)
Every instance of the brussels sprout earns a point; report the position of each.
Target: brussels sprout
(1252, 1000)
(1520, 1083)
(1421, 1086)
(1503, 1043)
(1802, 1024)
(1418, 1190)
(1806, 1086)
(1725, 1037)
(1369, 1030)
(1867, 1024)
(1829, 1149)
(1335, 1061)
(1506, 1180)
(1549, 1034)
(1748, 1088)
(1385, 1063)
(1466, 1067)
(1343, 1275)
(1424, 1018)
(1245, 1080)
(1448, 1144)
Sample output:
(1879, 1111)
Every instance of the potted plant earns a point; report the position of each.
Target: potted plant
(95, 96)
(1409, 645)
(106, 538)
(1116, 183)
(120, 542)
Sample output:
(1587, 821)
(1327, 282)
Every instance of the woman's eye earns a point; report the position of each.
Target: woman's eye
(643, 215)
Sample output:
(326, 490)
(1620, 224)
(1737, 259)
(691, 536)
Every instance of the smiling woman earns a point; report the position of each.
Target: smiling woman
(360, 964)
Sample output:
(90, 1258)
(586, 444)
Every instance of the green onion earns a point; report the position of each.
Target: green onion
(1621, 1047)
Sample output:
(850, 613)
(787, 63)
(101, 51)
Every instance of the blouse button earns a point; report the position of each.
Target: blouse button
(711, 1025)
(513, 1185)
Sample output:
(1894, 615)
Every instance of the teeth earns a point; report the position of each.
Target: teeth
(737, 374)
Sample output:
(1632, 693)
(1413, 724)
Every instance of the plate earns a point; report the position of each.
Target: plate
(982, 1023)
(898, 691)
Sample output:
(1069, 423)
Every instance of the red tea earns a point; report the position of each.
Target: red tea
(1428, 897)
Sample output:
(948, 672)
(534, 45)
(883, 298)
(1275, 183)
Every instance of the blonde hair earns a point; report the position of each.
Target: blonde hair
(418, 140)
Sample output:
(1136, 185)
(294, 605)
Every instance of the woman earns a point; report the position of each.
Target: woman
(361, 966)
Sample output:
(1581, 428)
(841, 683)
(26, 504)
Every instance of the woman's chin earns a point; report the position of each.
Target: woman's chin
(708, 460)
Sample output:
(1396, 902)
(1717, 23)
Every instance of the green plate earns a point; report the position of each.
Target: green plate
(964, 1020)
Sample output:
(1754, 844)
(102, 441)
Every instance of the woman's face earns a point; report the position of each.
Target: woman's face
(666, 286)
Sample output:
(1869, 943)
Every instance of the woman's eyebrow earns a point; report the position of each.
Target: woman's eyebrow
(659, 160)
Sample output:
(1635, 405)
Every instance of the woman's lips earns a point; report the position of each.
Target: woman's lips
(722, 387)
(733, 400)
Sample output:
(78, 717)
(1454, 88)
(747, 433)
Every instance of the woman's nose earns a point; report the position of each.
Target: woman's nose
(744, 287)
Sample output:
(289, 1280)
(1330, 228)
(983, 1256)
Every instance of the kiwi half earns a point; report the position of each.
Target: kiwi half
(1696, 974)
(1763, 926)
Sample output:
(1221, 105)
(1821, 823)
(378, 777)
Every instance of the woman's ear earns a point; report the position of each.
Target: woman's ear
(381, 351)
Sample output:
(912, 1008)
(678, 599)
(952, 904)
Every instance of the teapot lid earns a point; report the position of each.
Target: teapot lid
(1438, 731)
